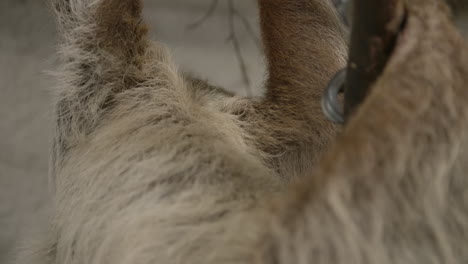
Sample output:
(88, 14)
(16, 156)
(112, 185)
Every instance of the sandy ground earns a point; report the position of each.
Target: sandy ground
(26, 54)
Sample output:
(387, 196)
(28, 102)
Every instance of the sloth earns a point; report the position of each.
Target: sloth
(151, 165)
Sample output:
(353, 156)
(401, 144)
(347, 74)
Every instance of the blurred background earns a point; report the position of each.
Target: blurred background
(27, 38)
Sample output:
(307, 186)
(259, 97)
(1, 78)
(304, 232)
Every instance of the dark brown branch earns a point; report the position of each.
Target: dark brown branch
(376, 26)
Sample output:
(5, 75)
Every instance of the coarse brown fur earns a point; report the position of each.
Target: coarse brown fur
(152, 166)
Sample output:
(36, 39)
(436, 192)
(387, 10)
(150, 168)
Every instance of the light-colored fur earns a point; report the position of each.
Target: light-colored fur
(152, 166)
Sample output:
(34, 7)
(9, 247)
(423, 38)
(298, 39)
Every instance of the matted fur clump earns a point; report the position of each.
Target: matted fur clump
(152, 166)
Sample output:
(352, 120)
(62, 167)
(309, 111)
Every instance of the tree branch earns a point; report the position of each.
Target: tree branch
(376, 26)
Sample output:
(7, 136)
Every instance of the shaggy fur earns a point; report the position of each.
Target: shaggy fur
(152, 166)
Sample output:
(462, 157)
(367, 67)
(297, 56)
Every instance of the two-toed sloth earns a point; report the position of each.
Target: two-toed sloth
(151, 166)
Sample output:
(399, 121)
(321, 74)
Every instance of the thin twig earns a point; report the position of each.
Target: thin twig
(232, 15)
(249, 29)
(204, 18)
(237, 49)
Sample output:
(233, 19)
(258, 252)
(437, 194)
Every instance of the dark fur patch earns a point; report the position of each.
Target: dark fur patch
(121, 28)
